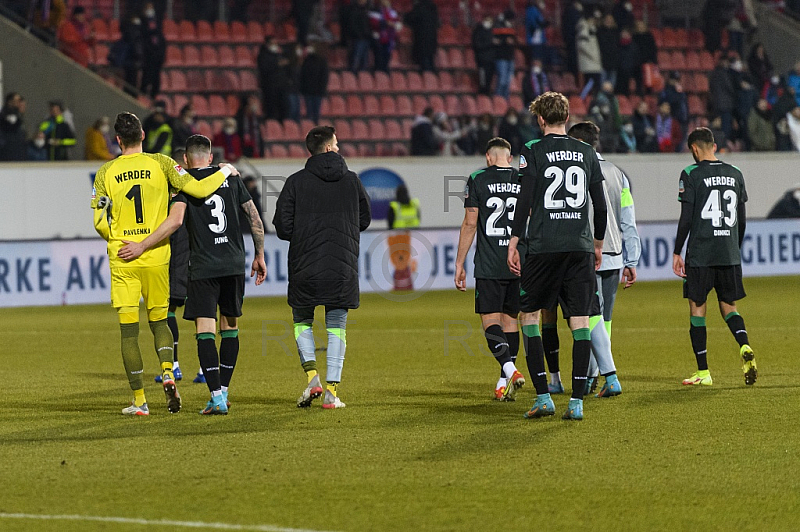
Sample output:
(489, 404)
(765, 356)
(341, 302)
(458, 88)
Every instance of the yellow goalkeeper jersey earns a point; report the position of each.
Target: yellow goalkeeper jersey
(139, 186)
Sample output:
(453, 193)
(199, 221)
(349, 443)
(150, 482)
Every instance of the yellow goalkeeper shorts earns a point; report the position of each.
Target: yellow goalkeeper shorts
(128, 285)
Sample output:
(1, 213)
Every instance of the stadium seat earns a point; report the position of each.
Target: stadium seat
(670, 38)
(452, 105)
(696, 39)
(365, 149)
(113, 29)
(355, 107)
(692, 60)
(419, 103)
(291, 131)
(359, 129)
(337, 106)
(696, 106)
(388, 107)
(279, 152)
(178, 102)
(232, 102)
(244, 58)
(383, 149)
(625, 107)
(392, 130)
(200, 106)
(516, 102)
(191, 56)
(455, 58)
(255, 32)
(306, 126)
(203, 128)
(371, 106)
(469, 106)
(349, 82)
(679, 61)
(437, 103)
(334, 82)
(407, 124)
(404, 107)
(415, 82)
(274, 130)
(288, 31)
(100, 29)
(226, 56)
(430, 82)
(343, 130)
(297, 152)
(399, 82)
(231, 82)
(171, 30)
(448, 35)
(248, 81)
(217, 106)
(178, 80)
(701, 82)
(658, 36)
(174, 56)
(204, 31)
(399, 149)
(500, 105)
(664, 60)
(187, 31)
(576, 106)
(221, 32)
(706, 60)
(382, 82)
(100, 52)
(484, 105)
(209, 56)
(446, 83)
(196, 81)
(238, 32)
(365, 82)
(348, 150)
(165, 81)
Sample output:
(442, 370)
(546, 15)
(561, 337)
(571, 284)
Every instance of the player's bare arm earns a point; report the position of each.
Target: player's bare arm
(133, 250)
(628, 276)
(259, 268)
(513, 256)
(465, 237)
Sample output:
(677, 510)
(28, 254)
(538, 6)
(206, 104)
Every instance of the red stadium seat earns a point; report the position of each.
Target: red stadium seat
(452, 105)
(249, 81)
(485, 105)
(576, 106)
(365, 150)
(625, 107)
(365, 82)
(306, 126)
(279, 152)
(404, 107)
(289, 32)
(500, 105)
(419, 103)
(355, 107)
(337, 106)
(430, 82)
(696, 39)
(178, 102)
(165, 82)
(517, 103)
(100, 54)
(204, 31)
(196, 81)
(100, 29)
(221, 32)
(456, 58)
(664, 60)
(701, 82)
(209, 56)
(407, 125)
(255, 32)
(200, 105)
(217, 106)
(203, 128)
(706, 60)
(349, 82)
(291, 131)
(274, 130)
(232, 102)
(171, 30)
(399, 82)
(392, 130)
(191, 56)
(348, 150)
(226, 56)
(268, 29)
(174, 56)
(187, 31)
(446, 83)
(297, 152)
(448, 35)
(334, 82)
(178, 81)
(360, 131)
(388, 107)
(238, 32)
(244, 58)
(679, 62)
(436, 102)
(382, 82)
(692, 60)
(343, 129)
(371, 106)
(399, 149)
(415, 82)
(696, 106)
(469, 106)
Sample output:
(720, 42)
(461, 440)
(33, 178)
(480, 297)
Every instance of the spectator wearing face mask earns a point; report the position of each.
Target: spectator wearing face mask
(746, 98)
(154, 50)
(630, 64)
(484, 132)
(668, 131)
(509, 130)
(759, 127)
(483, 49)
(272, 80)
(183, 127)
(37, 148)
(505, 43)
(535, 83)
(229, 140)
(314, 75)
(249, 120)
(97, 141)
(13, 138)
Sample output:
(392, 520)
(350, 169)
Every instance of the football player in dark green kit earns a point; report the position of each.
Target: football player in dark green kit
(559, 175)
(490, 204)
(712, 196)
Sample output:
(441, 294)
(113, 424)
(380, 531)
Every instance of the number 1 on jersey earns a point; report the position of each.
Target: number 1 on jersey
(135, 194)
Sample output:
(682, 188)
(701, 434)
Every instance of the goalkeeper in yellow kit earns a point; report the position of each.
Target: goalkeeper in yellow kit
(130, 199)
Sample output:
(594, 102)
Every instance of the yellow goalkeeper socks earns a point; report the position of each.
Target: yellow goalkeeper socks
(138, 397)
(166, 371)
(332, 387)
(311, 374)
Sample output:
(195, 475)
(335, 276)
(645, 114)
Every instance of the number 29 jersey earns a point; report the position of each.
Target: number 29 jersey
(555, 173)
(715, 190)
(493, 191)
(215, 237)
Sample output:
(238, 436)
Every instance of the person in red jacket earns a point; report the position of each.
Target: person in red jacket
(229, 140)
(76, 37)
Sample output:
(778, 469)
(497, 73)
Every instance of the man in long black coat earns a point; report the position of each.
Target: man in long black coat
(423, 19)
(321, 211)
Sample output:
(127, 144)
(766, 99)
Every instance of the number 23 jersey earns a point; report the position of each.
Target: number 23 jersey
(714, 189)
(493, 191)
(215, 237)
(555, 173)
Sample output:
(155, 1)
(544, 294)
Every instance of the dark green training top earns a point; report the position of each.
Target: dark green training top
(559, 175)
(215, 237)
(494, 192)
(715, 190)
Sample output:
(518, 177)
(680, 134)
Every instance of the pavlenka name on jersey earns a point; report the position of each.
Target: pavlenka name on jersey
(132, 174)
(719, 180)
(562, 155)
(498, 188)
(134, 232)
(565, 215)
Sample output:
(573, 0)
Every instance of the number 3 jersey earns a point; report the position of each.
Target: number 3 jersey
(714, 189)
(494, 192)
(215, 237)
(555, 173)
(139, 186)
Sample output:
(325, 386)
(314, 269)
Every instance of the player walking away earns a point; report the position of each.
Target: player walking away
(130, 203)
(557, 175)
(621, 251)
(321, 211)
(216, 267)
(489, 205)
(712, 196)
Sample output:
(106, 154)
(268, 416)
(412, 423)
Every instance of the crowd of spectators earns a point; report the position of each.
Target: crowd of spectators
(50, 141)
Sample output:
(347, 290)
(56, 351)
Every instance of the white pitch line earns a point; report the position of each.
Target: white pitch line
(154, 522)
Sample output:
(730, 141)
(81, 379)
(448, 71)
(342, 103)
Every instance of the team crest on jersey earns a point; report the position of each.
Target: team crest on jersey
(466, 190)
(180, 170)
(680, 185)
(523, 163)
(94, 193)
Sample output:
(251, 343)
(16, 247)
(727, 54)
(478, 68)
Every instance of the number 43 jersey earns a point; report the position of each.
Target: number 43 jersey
(493, 191)
(555, 173)
(215, 237)
(715, 190)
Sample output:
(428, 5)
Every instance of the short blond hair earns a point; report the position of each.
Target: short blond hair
(553, 107)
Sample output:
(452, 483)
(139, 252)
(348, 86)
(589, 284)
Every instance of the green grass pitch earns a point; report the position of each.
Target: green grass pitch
(420, 445)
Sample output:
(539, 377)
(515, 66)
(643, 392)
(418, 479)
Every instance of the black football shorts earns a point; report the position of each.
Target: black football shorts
(497, 295)
(725, 280)
(567, 278)
(205, 295)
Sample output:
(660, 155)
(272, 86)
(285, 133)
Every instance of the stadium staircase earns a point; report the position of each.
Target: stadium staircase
(211, 64)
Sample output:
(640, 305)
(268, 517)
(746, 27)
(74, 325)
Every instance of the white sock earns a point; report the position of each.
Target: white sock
(175, 365)
(500, 383)
(224, 389)
(508, 369)
(555, 378)
(216, 393)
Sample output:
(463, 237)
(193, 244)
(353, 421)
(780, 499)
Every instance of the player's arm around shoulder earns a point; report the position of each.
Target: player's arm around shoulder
(133, 250)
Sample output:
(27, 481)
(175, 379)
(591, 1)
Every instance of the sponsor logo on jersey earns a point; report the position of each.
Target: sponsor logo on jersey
(94, 193)
(523, 163)
(680, 186)
(180, 170)
(466, 191)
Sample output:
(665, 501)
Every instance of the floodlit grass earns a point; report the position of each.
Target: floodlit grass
(420, 445)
